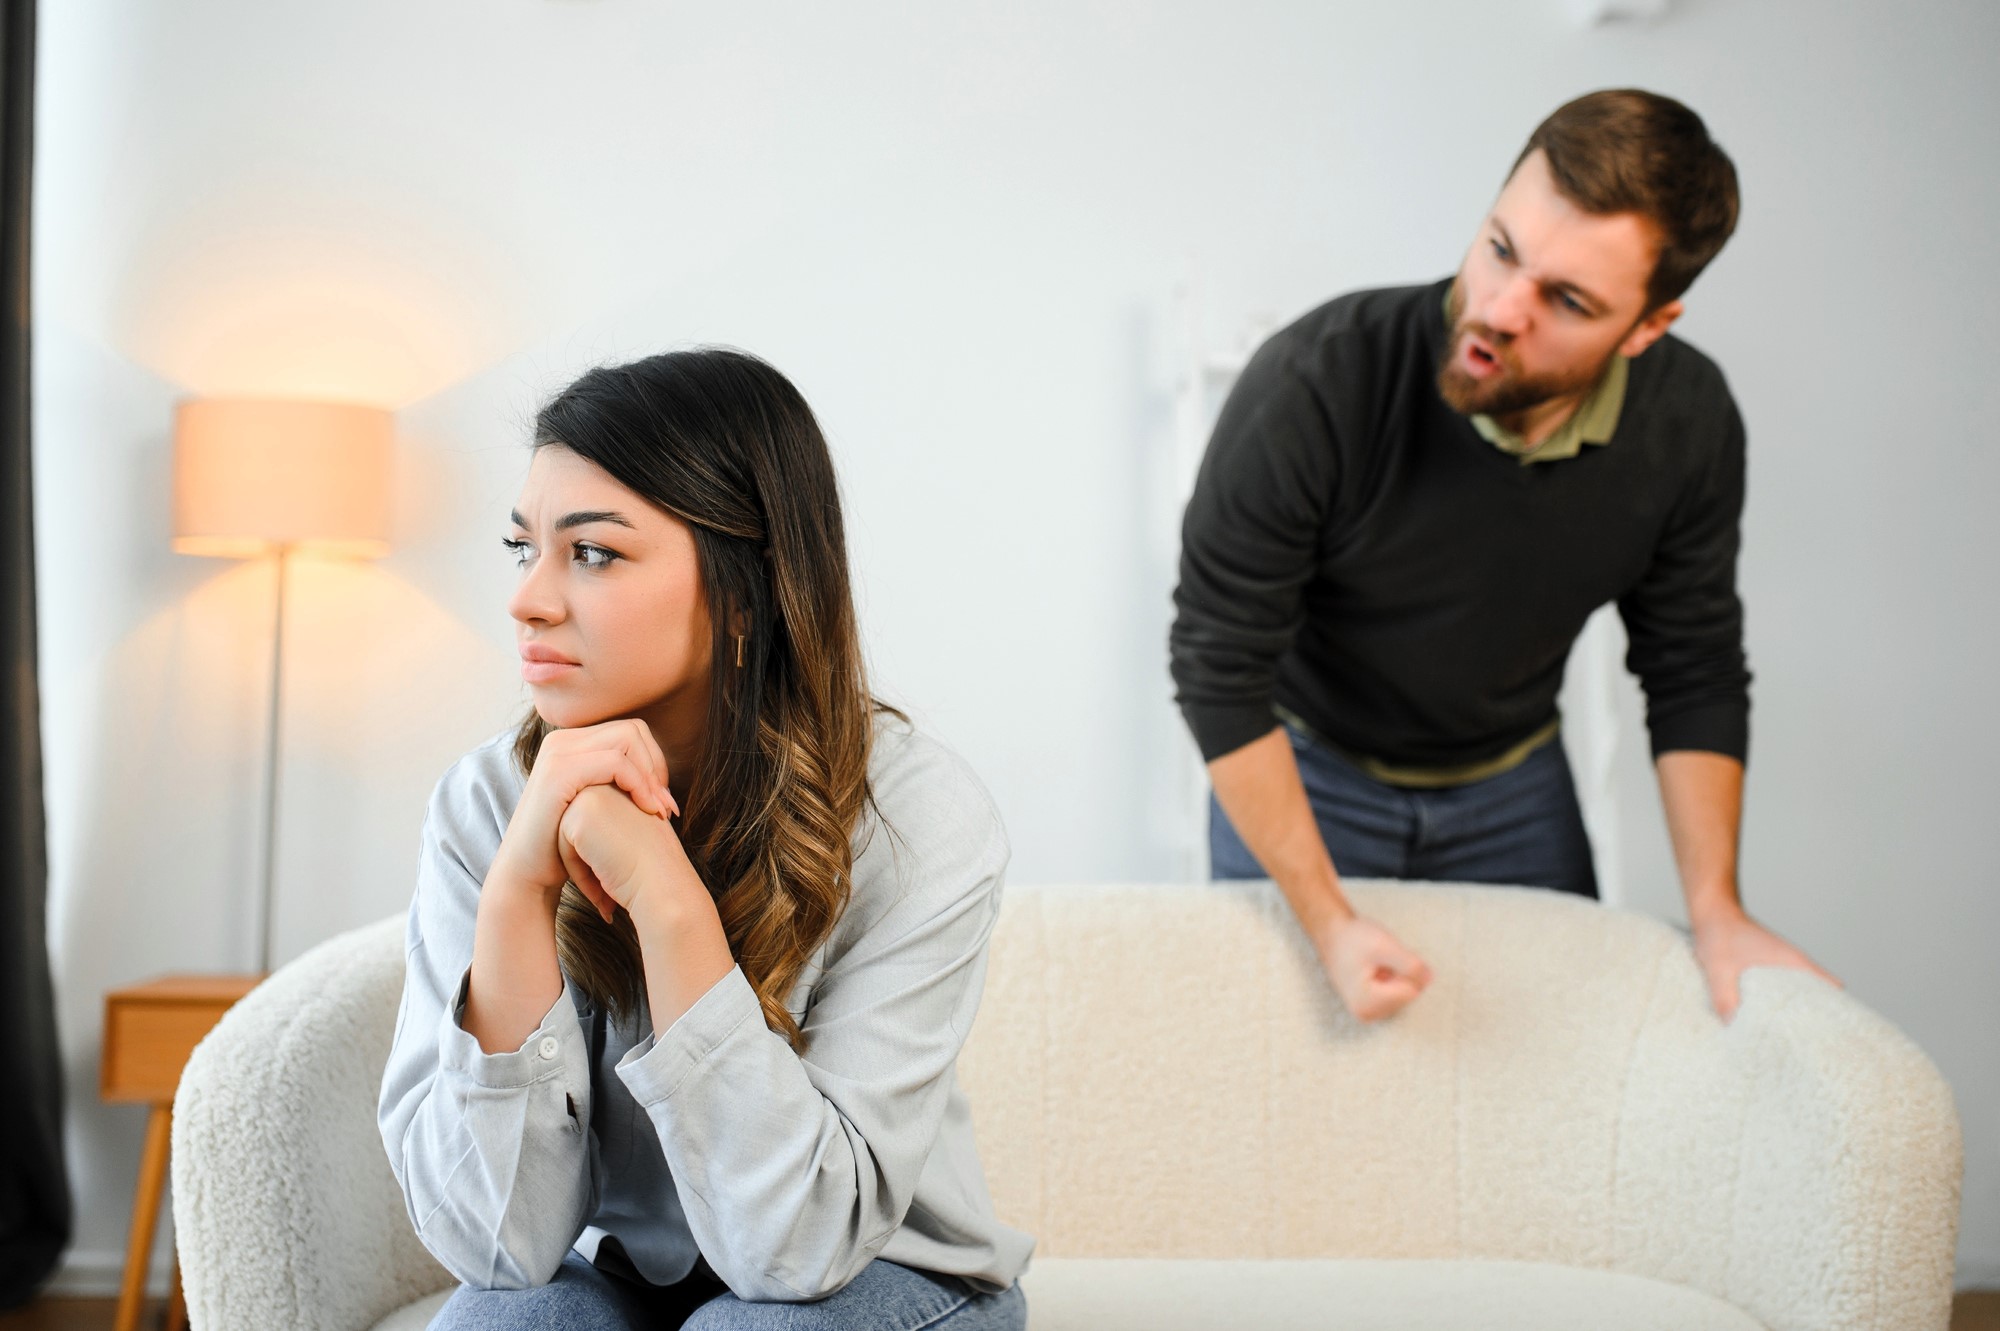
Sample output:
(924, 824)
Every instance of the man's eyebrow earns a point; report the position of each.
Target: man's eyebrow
(1586, 296)
(1595, 305)
(578, 519)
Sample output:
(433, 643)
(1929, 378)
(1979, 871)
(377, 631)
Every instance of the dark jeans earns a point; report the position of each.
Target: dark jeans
(1519, 827)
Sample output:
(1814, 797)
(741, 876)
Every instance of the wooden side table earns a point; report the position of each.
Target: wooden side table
(149, 1031)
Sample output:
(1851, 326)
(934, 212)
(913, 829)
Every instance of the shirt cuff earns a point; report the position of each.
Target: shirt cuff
(654, 1068)
(1224, 728)
(1722, 727)
(555, 1048)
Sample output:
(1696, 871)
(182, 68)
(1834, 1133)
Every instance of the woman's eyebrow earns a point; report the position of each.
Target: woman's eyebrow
(579, 519)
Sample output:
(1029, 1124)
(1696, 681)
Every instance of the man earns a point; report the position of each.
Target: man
(1413, 500)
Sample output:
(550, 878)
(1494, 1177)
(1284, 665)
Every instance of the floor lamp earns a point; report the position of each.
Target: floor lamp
(274, 478)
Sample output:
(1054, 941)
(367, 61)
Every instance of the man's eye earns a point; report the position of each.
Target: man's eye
(1500, 251)
(1569, 303)
(592, 556)
(519, 549)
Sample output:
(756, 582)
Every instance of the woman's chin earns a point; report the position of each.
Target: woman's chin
(569, 713)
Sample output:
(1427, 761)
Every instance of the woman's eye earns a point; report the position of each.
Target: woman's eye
(519, 549)
(592, 556)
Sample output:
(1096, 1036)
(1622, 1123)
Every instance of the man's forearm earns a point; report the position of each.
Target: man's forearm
(1702, 794)
(1259, 788)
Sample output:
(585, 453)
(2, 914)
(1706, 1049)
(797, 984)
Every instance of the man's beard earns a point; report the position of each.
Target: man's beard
(1508, 392)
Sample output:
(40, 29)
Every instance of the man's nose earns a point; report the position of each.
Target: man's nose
(1511, 311)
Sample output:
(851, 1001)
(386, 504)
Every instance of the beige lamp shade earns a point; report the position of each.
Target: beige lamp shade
(256, 475)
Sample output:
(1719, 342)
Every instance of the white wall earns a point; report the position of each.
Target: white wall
(961, 232)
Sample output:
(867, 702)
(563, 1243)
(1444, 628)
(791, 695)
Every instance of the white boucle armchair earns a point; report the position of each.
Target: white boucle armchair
(1558, 1134)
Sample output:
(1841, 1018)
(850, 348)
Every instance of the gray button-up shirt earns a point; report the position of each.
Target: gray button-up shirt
(789, 1173)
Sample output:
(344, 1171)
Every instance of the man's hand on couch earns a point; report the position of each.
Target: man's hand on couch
(1374, 974)
(1728, 943)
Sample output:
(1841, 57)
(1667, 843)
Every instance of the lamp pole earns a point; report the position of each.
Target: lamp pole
(266, 898)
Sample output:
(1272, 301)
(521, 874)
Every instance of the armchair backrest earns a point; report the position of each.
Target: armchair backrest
(285, 1209)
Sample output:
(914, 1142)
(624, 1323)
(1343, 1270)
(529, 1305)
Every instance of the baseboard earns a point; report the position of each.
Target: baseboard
(84, 1274)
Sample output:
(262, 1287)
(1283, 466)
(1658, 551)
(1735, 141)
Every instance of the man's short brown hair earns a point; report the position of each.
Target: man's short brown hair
(1624, 150)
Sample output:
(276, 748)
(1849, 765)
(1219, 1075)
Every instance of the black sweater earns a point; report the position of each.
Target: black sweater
(1355, 551)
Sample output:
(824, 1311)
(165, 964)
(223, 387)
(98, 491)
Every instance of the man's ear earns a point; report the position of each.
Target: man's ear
(1650, 329)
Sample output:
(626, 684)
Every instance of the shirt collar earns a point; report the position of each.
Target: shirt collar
(1593, 422)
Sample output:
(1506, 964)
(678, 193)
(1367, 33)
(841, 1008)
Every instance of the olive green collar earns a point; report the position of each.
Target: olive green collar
(1593, 422)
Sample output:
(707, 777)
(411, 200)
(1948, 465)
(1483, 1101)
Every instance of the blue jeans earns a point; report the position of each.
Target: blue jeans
(884, 1297)
(1522, 826)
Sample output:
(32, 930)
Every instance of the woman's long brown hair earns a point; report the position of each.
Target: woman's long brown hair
(725, 443)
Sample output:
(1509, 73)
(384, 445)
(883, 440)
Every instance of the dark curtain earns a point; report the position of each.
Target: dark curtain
(34, 1187)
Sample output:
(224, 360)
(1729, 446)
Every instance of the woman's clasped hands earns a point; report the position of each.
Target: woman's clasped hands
(594, 813)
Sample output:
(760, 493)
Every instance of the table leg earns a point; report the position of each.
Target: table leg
(177, 1309)
(145, 1215)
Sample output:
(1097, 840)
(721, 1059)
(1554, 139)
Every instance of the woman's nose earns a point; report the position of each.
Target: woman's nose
(536, 598)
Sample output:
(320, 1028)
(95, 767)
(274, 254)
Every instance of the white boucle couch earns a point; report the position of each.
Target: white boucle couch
(1559, 1134)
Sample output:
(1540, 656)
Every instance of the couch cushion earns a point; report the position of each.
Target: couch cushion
(1110, 1294)
(415, 1316)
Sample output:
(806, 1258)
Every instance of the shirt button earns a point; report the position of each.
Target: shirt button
(547, 1048)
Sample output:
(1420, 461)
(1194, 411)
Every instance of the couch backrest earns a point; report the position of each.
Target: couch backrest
(1163, 1071)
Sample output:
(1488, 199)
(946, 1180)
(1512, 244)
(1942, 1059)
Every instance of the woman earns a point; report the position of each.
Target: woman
(693, 952)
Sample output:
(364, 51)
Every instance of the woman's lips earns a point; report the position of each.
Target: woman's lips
(540, 665)
(542, 672)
